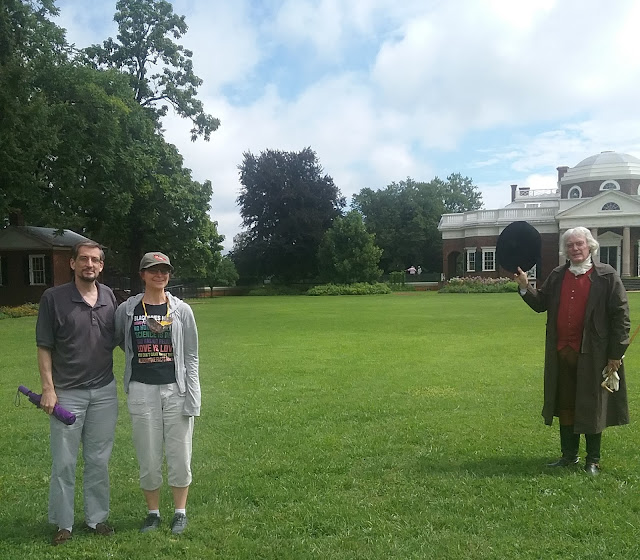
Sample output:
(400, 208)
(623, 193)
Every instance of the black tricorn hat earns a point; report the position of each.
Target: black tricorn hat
(519, 245)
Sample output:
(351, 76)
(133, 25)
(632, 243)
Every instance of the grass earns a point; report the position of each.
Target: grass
(366, 427)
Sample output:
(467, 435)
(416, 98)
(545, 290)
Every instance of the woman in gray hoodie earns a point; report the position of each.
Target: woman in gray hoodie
(158, 334)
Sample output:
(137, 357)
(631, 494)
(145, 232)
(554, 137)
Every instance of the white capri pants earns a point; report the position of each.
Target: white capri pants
(157, 421)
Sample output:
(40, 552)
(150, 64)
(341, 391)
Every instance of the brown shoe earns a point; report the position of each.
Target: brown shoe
(61, 537)
(102, 529)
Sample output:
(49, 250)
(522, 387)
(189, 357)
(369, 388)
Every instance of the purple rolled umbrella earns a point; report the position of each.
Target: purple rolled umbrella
(60, 413)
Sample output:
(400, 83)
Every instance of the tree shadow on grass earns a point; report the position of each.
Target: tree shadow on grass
(495, 466)
(19, 531)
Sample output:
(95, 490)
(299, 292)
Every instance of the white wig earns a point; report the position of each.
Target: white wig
(580, 232)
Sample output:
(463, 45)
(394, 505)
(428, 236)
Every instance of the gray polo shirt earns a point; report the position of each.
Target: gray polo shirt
(79, 336)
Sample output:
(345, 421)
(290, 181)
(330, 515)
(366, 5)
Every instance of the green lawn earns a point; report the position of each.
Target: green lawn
(370, 427)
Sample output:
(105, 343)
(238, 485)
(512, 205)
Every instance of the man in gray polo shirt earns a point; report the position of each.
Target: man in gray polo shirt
(74, 334)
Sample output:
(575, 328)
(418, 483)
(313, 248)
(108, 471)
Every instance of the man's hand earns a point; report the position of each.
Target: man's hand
(521, 278)
(48, 400)
(614, 365)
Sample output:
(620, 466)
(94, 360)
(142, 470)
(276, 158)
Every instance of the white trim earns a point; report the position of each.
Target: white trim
(611, 239)
(615, 183)
(616, 209)
(574, 188)
(33, 271)
(486, 251)
(469, 252)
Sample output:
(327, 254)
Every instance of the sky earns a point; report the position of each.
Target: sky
(501, 91)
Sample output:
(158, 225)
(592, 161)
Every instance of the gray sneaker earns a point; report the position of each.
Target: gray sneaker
(151, 523)
(178, 523)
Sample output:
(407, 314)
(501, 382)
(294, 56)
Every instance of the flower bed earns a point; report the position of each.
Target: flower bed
(478, 284)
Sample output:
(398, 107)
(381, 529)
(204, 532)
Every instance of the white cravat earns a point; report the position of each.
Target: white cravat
(581, 268)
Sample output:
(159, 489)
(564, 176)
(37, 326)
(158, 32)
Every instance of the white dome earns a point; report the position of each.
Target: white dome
(602, 166)
(608, 158)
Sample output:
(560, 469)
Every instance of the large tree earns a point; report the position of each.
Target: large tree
(348, 252)
(404, 218)
(286, 203)
(165, 210)
(31, 50)
(160, 70)
(83, 154)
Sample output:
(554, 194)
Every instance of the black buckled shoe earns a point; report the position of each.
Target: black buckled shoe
(564, 462)
(592, 469)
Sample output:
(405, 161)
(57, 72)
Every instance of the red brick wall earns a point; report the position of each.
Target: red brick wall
(592, 188)
(18, 291)
(549, 254)
(62, 272)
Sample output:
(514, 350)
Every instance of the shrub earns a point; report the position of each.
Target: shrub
(24, 310)
(402, 288)
(396, 278)
(357, 289)
(278, 290)
(477, 284)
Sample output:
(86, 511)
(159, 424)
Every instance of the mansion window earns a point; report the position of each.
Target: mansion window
(37, 275)
(488, 259)
(471, 260)
(610, 206)
(610, 185)
(575, 192)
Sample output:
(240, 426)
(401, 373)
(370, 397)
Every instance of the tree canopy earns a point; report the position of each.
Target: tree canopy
(78, 151)
(404, 218)
(286, 204)
(31, 47)
(160, 70)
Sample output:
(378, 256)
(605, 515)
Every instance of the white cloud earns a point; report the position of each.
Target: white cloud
(226, 46)
(382, 89)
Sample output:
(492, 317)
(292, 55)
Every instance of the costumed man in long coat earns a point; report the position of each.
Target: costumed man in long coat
(587, 335)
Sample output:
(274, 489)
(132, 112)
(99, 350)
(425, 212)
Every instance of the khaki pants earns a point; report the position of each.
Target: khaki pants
(96, 413)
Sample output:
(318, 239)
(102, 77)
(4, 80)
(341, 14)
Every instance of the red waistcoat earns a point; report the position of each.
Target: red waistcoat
(573, 304)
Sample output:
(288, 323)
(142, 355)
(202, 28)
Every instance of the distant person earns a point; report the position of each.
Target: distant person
(411, 270)
(75, 338)
(419, 270)
(587, 333)
(159, 336)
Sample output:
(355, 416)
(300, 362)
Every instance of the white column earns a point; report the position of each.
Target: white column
(561, 259)
(594, 232)
(626, 251)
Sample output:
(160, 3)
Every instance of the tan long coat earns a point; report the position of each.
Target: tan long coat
(605, 336)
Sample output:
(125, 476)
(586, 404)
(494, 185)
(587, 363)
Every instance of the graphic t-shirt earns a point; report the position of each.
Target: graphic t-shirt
(152, 361)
